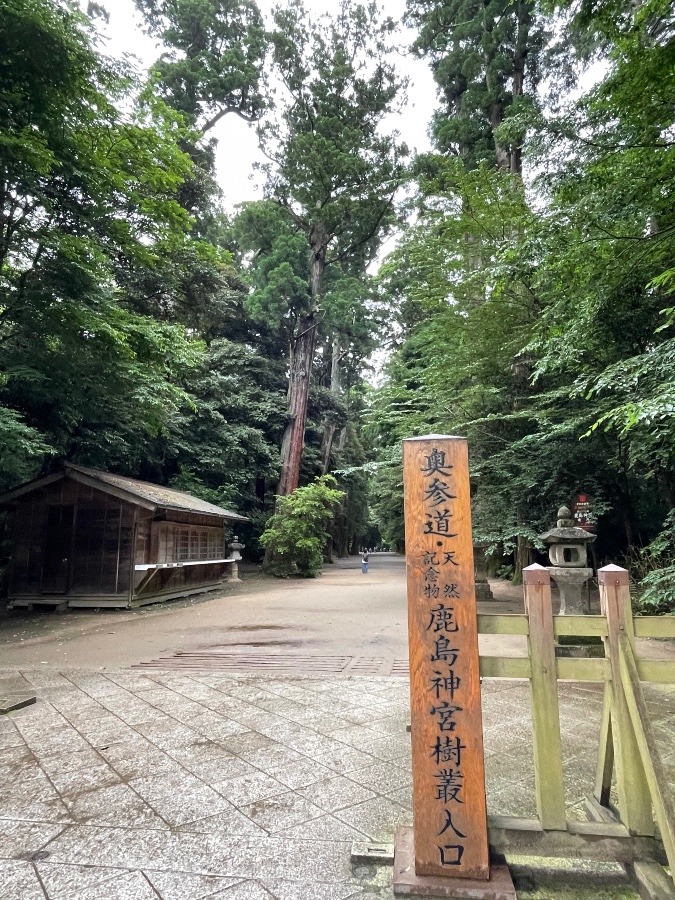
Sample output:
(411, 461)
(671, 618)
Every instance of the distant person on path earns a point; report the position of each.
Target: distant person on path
(364, 562)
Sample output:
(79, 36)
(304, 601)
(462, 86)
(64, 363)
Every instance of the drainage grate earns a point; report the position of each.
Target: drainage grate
(362, 665)
(290, 663)
(401, 668)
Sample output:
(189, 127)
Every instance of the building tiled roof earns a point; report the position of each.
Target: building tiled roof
(149, 495)
(167, 498)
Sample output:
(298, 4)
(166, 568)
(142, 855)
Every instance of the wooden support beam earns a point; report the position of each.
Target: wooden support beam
(631, 781)
(649, 878)
(651, 881)
(657, 780)
(599, 813)
(658, 671)
(505, 667)
(506, 624)
(599, 841)
(605, 767)
(654, 626)
(580, 626)
(548, 771)
(145, 580)
(582, 669)
(567, 668)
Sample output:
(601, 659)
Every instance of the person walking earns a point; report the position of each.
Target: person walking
(364, 562)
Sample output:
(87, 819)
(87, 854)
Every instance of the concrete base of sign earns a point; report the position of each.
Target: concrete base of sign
(408, 884)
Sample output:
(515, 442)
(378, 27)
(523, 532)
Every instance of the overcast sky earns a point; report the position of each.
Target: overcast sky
(237, 144)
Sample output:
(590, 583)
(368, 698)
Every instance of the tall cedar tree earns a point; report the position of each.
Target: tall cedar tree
(332, 167)
(485, 58)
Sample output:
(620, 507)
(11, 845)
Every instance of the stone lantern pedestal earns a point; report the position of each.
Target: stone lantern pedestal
(573, 591)
(483, 589)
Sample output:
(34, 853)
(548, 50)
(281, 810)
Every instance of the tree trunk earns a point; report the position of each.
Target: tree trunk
(520, 61)
(329, 430)
(522, 558)
(302, 360)
(293, 442)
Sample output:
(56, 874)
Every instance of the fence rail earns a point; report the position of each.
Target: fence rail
(627, 742)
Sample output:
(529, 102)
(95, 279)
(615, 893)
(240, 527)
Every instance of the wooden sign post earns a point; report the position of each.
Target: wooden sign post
(447, 850)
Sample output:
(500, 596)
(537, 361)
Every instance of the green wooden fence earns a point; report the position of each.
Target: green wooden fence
(640, 831)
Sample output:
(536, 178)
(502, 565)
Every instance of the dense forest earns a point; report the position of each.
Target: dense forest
(528, 303)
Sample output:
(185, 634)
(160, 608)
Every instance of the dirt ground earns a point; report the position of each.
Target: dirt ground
(341, 612)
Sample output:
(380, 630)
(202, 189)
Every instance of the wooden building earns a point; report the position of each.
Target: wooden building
(83, 537)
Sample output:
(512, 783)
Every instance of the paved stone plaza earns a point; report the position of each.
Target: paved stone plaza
(127, 785)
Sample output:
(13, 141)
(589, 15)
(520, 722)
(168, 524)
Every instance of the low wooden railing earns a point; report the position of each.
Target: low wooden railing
(626, 834)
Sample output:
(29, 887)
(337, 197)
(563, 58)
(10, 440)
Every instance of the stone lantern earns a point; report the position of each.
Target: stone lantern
(568, 552)
(235, 547)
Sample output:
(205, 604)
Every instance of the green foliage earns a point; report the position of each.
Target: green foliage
(296, 534)
(85, 192)
(21, 448)
(486, 60)
(226, 440)
(654, 568)
(143, 331)
(535, 320)
(334, 163)
(213, 62)
(278, 272)
(332, 175)
(387, 499)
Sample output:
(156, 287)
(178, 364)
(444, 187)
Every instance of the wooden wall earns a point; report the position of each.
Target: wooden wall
(70, 538)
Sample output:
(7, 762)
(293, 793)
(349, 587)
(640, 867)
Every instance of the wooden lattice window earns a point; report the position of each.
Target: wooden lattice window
(184, 544)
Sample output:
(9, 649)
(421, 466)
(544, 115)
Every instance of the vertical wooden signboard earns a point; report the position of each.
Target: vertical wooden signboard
(450, 820)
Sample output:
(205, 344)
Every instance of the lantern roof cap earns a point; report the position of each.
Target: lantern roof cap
(567, 535)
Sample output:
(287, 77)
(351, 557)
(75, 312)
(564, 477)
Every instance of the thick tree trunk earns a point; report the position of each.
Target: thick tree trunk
(293, 442)
(510, 156)
(520, 62)
(302, 360)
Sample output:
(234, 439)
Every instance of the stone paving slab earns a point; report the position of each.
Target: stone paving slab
(134, 785)
(15, 693)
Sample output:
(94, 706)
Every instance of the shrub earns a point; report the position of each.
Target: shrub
(295, 536)
(655, 572)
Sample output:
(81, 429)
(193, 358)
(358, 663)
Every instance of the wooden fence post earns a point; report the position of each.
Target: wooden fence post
(634, 800)
(547, 745)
